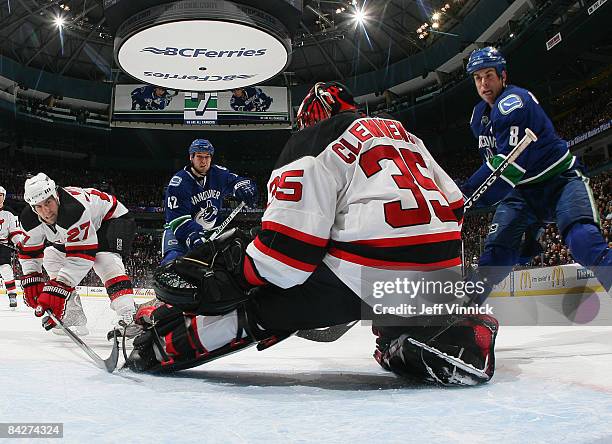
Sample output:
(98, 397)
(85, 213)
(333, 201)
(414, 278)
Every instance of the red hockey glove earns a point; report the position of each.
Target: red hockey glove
(32, 284)
(53, 297)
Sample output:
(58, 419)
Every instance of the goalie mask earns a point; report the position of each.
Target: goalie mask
(324, 100)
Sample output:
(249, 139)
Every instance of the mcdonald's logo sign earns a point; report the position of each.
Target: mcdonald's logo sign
(525, 279)
(557, 277)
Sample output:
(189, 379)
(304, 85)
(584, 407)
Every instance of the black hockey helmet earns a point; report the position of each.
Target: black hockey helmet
(324, 100)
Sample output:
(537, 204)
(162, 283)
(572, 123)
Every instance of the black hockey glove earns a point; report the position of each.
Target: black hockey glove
(208, 280)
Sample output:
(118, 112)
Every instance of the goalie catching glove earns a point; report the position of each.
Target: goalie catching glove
(208, 280)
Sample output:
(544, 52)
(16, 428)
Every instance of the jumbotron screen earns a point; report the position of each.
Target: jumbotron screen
(150, 103)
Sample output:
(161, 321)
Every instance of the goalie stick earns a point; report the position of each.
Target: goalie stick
(109, 364)
(330, 334)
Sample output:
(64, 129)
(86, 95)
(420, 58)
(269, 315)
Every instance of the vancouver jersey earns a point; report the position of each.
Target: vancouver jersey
(357, 194)
(499, 129)
(146, 98)
(193, 204)
(9, 227)
(81, 213)
(253, 99)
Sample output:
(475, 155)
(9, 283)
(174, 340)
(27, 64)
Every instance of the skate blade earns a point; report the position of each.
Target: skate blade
(80, 330)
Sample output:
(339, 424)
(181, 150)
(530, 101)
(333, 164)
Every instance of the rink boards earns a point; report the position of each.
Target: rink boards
(561, 295)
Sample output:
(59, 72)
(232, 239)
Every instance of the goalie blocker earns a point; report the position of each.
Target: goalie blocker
(210, 311)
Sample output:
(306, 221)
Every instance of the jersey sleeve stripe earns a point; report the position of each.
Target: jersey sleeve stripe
(250, 273)
(85, 256)
(360, 260)
(29, 248)
(292, 247)
(296, 234)
(176, 223)
(294, 263)
(31, 255)
(424, 253)
(31, 252)
(409, 240)
(110, 212)
(78, 248)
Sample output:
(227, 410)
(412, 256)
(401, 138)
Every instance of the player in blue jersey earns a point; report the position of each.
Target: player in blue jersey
(544, 184)
(250, 98)
(151, 97)
(194, 197)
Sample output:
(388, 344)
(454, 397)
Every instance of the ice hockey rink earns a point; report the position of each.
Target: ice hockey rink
(551, 384)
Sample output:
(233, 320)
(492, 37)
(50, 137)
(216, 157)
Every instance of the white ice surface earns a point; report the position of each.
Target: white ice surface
(552, 384)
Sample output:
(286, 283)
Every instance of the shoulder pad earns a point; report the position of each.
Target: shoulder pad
(509, 104)
(28, 219)
(70, 210)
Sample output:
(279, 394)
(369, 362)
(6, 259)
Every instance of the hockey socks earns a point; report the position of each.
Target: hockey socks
(590, 250)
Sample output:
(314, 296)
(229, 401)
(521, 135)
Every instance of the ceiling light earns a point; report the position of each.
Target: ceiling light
(435, 25)
(59, 21)
(436, 16)
(359, 16)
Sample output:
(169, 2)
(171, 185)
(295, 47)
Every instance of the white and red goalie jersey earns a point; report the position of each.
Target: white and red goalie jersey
(355, 193)
(81, 213)
(10, 230)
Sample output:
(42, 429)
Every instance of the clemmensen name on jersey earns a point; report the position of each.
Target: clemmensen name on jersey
(208, 194)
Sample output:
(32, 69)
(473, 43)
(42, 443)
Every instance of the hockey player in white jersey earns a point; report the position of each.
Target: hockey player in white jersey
(349, 194)
(86, 228)
(10, 233)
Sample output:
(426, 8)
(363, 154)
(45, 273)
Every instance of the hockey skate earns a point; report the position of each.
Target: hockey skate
(125, 325)
(74, 318)
(12, 301)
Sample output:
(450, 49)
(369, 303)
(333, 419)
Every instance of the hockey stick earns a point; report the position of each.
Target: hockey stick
(327, 334)
(226, 222)
(334, 332)
(512, 156)
(108, 364)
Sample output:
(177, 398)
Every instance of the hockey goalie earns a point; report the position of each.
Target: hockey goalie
(348, 194)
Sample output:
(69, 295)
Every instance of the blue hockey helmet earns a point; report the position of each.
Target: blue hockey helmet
(201, 146)
(488, 57)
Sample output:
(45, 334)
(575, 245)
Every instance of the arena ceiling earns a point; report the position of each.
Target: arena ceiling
(336, 39)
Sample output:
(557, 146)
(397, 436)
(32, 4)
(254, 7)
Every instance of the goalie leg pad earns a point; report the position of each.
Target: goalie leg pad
(174, 340)
(460, 354)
